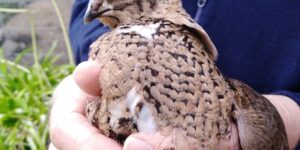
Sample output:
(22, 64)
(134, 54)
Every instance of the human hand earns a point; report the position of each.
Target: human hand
(140, 141)
(69, 128)
(289, 112)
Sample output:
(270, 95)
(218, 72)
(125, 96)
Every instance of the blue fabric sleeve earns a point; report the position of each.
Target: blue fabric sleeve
(82, 35)
(294, 96)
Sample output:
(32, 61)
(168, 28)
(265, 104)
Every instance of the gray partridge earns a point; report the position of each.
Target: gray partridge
(159, 74)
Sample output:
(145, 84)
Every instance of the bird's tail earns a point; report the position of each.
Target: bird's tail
(259, 124)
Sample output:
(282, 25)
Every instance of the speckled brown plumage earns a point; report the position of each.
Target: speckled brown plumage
(159, 65)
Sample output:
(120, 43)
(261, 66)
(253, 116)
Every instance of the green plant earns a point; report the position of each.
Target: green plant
(25, 94)
(25, 100)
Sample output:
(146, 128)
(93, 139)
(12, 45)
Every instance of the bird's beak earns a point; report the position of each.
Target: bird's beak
(89, 15)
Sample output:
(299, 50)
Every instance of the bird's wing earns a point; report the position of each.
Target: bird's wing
(181, 17)
(259, 124)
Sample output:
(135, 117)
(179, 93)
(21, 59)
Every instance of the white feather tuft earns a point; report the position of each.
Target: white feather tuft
(132, 99)
(144, 119)
(144, 30)
(146, 122)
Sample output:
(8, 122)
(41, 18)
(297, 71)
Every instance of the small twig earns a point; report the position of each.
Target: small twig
(65, 32)
(22, 68)
(12, 10)
(34, 49)
(33, 38)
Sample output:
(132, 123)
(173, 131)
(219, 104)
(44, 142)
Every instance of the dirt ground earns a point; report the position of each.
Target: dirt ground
(15, 35)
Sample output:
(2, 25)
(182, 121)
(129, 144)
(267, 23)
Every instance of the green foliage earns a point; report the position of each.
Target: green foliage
(25, 93)
(25, 100)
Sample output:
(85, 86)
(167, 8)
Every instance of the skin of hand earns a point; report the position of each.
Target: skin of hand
(289, 111)
(70, 129)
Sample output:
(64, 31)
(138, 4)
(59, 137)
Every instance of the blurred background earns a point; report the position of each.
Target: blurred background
(35, 55)
(15, 28)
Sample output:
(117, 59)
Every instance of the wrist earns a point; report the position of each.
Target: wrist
(289, 112)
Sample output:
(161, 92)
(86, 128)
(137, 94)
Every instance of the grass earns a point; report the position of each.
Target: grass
(25, 94)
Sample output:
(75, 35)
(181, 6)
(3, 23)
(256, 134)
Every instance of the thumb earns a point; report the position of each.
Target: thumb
(143, 141)
(86, 75)
(174, 139)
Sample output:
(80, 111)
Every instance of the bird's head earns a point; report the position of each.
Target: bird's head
(116, 12)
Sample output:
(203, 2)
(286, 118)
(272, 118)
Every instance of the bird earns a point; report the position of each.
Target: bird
(158, 74)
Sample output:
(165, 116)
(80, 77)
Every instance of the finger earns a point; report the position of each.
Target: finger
(143, 141)
(233, 142)
(52, 147)
(159, 141)
(76, 133)
(69, 128)
(86, 76)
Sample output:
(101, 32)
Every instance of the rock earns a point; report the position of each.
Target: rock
(47, 28)
(10, 48)
(1, 36)
(15, 41)
(21, 36)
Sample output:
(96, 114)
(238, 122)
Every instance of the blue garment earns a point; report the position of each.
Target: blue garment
(258, 41)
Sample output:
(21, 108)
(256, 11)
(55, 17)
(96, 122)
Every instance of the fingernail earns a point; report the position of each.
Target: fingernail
(136, 144)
